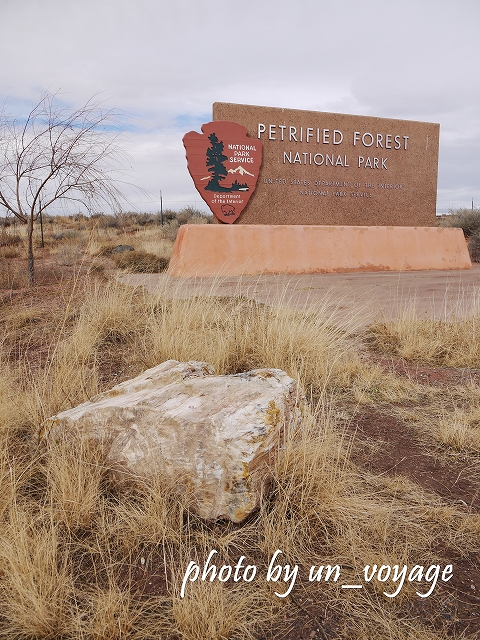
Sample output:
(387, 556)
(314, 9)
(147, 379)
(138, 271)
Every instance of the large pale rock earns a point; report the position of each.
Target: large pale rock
(215, 435)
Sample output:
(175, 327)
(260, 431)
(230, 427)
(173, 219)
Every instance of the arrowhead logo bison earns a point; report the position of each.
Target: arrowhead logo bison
(224, 164)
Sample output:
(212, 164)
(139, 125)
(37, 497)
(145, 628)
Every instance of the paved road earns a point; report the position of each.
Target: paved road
(368, 296)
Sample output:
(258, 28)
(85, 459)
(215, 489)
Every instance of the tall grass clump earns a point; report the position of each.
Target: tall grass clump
(451, 342)
(237, 334)
(10, 415)
(312, 479)
(36, 585)
(215, 612)
(74, 470)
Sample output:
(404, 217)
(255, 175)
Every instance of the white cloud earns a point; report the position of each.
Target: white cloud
(165, 63)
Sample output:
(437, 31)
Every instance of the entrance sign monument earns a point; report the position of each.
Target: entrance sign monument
(333, 192)
(330, 168)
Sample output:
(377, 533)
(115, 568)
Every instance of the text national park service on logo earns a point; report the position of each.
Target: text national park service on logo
(224, 164)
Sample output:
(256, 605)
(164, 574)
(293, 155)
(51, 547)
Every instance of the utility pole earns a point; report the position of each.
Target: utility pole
(161, 207)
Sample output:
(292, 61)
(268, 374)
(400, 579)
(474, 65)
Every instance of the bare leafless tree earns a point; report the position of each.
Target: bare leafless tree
(58, 155)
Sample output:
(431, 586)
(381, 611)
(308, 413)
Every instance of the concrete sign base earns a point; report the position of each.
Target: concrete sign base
(234, 250)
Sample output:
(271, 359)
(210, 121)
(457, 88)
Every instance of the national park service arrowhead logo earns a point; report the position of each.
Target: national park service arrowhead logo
(224, 164)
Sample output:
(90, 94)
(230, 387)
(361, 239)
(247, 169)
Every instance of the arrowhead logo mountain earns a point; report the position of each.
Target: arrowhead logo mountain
(224, 164)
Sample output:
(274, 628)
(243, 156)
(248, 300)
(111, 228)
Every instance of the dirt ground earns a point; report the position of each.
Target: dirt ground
(368, 296)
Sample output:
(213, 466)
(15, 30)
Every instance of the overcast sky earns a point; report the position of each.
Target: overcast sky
(164, 62)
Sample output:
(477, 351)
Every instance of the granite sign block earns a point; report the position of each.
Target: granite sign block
(336, 169)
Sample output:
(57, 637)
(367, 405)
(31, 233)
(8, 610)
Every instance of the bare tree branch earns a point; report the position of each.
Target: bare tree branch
(59, 155)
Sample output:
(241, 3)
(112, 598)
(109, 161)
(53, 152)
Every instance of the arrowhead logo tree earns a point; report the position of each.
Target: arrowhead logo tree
(215, 160)
(215, 157)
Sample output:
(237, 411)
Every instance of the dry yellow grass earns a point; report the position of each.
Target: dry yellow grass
(74, 471)
(454, 427)
(147, 240)
(212, 611)
(82, 559)
(451, 342)
(150, 512)
(240, 334)
(36, 587)
(113, 613)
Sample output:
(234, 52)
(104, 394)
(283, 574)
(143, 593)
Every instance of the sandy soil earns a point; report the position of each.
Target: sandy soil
(371, 296)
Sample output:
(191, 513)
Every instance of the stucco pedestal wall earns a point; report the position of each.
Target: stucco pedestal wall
(233, 250)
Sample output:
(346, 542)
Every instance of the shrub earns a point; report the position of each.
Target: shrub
(68, 255)
(466, 219)
(9, 252)
(170, 230)
(143, 219)
(189, 215)
(474, 247)
(12, 277)
(105, 221)
(7, 240)
(139, 262)
(97, 269)
(168, 215)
